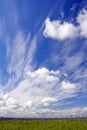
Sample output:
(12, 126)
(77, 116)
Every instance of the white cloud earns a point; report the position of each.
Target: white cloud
(34, 92)
(42, 87)
(28, 110)
(66, 30)
(47, 100)
(58, 30)
(11, 103)
(30, 54)
(74, 61)
(20, 55)
(82, 20)
(44, 73)
(68, 87)
(7, 102)
(67, 90)
(35, 86)
(16, 54)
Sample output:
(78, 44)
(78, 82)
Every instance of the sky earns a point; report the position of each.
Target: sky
(43, 58)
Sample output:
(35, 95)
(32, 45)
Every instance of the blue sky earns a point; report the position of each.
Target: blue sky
(43, 58)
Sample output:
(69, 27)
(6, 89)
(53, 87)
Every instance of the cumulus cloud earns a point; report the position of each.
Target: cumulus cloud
(7, 102)
(28, 90)
(59, 30)
(47, 100)
(42, 87)
(36, 91)
(43, 73)
(36, 85)
(10, 108)
(68, 87)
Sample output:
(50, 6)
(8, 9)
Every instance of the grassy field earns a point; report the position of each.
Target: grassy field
(70, 124)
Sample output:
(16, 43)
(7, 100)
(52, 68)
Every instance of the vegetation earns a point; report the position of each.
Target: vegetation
(44, 124)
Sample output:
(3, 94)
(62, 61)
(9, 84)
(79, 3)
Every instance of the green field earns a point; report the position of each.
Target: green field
(70, 124)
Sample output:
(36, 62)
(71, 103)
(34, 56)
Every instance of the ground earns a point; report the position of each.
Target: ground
(43, 124)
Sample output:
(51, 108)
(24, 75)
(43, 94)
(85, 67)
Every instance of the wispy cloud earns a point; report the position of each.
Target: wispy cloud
(16, 54)
(20, 55)
(31, 90)
(30, 54)
(76, 59)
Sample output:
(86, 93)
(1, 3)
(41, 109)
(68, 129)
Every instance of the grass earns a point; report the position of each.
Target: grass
(70, 124)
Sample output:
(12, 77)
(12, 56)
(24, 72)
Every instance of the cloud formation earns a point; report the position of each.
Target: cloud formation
(59, 30)
(32, 90)
(36, 86)
(39, 88)
(9, 107)
(82, 21)
(42, 88)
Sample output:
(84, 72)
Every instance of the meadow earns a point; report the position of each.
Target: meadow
(44, 124)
